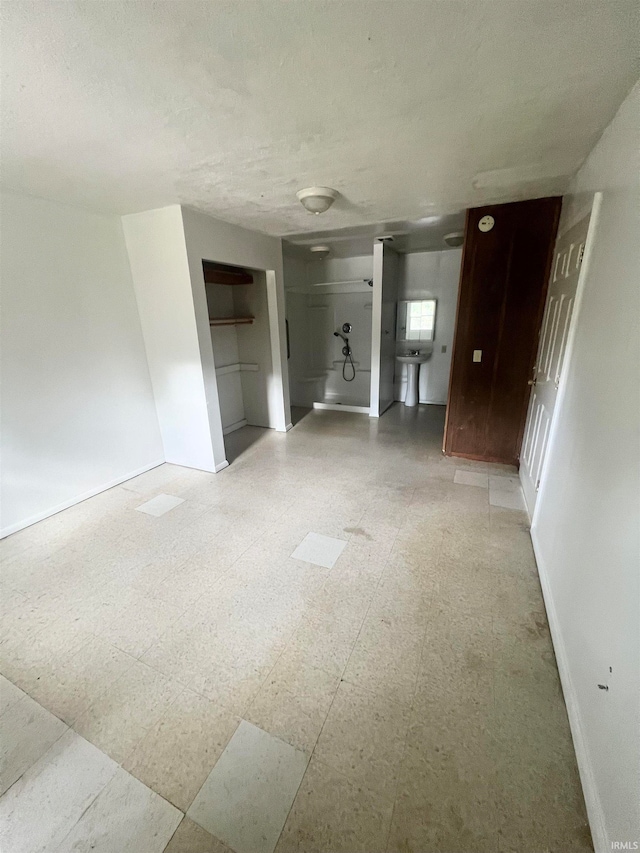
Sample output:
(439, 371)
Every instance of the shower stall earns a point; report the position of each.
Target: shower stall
(329, 316)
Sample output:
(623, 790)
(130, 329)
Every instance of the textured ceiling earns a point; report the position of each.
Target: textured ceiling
(424, 235)
(232, 107)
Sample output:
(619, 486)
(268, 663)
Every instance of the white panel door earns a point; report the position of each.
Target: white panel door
(554, 335)
(383, 328)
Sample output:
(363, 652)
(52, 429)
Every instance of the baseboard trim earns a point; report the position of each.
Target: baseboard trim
(339, 407)
(221, 466)
(595, 814)
(34, 519)
(235, 426)
(288, 427)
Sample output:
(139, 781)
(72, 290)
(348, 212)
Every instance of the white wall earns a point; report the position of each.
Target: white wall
(586, 525)
(159, 265)
(383, 328)
(356, 268)
(213, 240)
(295, 276)
(431, 275)
(78, 413)
(262, 406)
(224, 340)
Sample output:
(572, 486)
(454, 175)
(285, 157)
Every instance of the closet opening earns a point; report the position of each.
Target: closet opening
(239, 324)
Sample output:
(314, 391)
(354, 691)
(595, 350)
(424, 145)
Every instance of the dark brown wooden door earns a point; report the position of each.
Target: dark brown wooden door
(503, 284)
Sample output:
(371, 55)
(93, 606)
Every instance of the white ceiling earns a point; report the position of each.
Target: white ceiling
(232, 107)
(423, 235)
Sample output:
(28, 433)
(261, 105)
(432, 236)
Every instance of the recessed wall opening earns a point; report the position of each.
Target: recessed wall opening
(240, 338)
(329, 306)
(350, 343)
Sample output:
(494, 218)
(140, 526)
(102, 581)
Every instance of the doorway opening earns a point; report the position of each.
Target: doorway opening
(369, 294)
(328, 309)
(238, 309)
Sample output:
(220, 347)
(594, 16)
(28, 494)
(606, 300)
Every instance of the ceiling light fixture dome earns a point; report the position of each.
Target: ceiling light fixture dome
(454, 239)
(320, 252)
(317, 199)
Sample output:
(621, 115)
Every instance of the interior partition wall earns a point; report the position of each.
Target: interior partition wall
(166, 250)
(383, 328)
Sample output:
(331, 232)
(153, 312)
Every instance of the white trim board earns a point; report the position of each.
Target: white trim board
(382, 411)
(592, 801)
(34, 519)
(341, 407)
(423, 402)
(235, 426)
(236, 368)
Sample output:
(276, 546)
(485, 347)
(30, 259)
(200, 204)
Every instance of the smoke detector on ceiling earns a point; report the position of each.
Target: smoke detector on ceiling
(317, 199)
(320, 252)
(454, 239)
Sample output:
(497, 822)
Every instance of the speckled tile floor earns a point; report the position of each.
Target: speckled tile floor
(406, 698)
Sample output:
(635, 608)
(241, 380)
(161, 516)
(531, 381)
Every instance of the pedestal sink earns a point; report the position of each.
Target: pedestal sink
(413, 362)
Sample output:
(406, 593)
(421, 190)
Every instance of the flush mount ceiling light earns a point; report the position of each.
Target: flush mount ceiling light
(317, 199)
(455, 239)
(320, 252)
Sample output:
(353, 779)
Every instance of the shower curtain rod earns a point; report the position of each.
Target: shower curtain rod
(368, 281)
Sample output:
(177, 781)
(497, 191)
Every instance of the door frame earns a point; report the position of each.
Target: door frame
(568, 355)
(465, 245)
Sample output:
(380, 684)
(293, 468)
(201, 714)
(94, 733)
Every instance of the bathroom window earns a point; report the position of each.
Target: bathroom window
(417, 320)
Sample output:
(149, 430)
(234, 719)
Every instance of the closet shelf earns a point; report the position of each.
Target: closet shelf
(230, 321)
(221, 274)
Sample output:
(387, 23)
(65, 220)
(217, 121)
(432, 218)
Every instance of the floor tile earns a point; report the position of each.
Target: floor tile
(507, 500)
(191, 838)
(28, 731)
(125, 816)
(363, 738)
(330, 813)
(153, 479)
(141, 625)
(506, 492)
(294, 701)
(159, 505)
(225, 655)
(385, 659)
(122, 715)
(82, 677)
(9, 694)
(29, 658)
(248, 795)
(325, 639)
(320, 550)
(445, 798)
(455, 685)
(58, 788)
(179, 752)
(471, 478)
